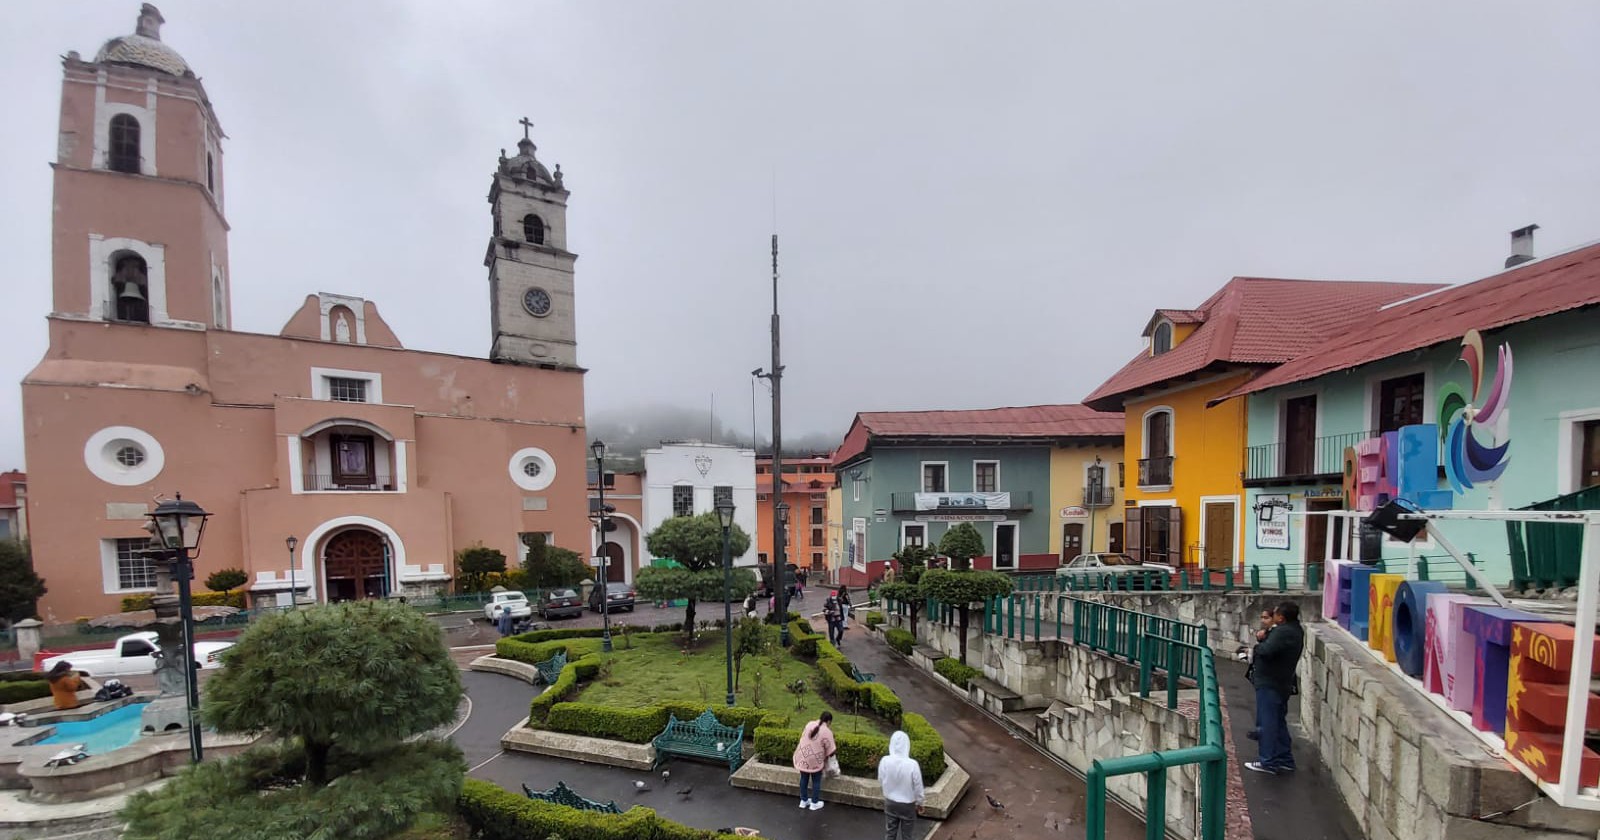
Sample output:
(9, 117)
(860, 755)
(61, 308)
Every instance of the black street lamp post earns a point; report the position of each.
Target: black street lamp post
(725, 516)
(179, 524)
(599, 449)
(294, 597)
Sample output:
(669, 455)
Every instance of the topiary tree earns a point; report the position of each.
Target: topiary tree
(910, 561)
(20, 587)
(961, 589)
(343, 690)
(961, 543)
(476, 562)
(695, 543)
(551, 566)
(226, 580)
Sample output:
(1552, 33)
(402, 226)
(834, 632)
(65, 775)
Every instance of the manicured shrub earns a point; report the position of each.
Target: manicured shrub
(17, 691)
(494, 813)
(802, 641)
(927, 747)
(859, 754)
(564, 686)
(636, 726)
(901, 640)
(951, 669)
(874, 619)
(531, 652)
(21, 676)
(133, 603)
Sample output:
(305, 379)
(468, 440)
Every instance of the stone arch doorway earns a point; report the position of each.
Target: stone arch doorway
(355, 565)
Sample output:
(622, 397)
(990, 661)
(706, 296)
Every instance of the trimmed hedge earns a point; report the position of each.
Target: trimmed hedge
(874, 619)
(875, 696)
(134, 603)
(494, 813)
(639, 725)
(900, 640)
(17, 691)
(951, 669)
(859, 754)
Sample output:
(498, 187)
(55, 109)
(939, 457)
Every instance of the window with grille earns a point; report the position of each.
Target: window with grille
(134, 569)
(986, 476)
(721, 495)
(123, 156)
(683, 500)
(341, 389)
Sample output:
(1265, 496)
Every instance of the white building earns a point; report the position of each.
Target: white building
(685, 479)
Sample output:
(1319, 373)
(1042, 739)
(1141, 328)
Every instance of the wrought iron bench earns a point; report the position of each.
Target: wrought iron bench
(563, 795)
(703, 737)
(861, 676)
(550, 669)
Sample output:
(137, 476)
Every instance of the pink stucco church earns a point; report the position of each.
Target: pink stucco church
(379, 460)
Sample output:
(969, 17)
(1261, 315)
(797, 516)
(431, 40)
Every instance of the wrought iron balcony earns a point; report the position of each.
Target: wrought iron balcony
(1300, 461)
(315, 483)
(1098, 496)
(1155, 472)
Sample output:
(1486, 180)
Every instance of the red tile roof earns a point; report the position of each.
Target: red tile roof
(1035, 421)
(8, 487)
(1533, 290)
(1257, 321)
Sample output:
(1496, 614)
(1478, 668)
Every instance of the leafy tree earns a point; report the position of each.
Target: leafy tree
(343, 690)
(550, 566)
(695, 542)
(961, 589)
(477, 561)
(910, 562)
(749, 637)
(226, 580)
(351, 677)
(20, 588)
(961, 543)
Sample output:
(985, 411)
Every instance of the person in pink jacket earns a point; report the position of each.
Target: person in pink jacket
(811, 758)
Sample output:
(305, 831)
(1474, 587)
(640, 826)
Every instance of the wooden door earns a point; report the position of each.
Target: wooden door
(1005, 546)
(1316, 542)
(616, 565)
(1300, 436)
(1158, 434)
(1133, 529)
(1071, 540)
(1590, 475)
(1219, 536)
(1114, 541)
(353, 564)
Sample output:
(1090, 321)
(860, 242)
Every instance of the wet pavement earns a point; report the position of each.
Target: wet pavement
(499, 702)
(1042, 799)
(1303, 805)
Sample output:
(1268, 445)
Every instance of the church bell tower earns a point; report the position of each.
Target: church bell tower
(530, 268)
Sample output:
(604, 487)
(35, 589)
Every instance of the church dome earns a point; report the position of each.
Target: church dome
(144, 48)
(524, 165)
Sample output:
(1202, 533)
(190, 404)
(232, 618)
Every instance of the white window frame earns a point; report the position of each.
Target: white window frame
(975, 464)
(105, 109)
(101, 250)
(1172, 337)
(672, 500)
(108, 568)
(855, 489)
(1016, 545)
(320, 377)
(1144, 446)
(922, 476)
(1374, 386)
(905, 525)
(1569, 447)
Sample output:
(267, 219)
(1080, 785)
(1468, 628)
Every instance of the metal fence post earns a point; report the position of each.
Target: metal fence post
(1059, 599)
(1172, 676)
(1037, 604)
(1155, 807)
(1422, 567)
(1255, 578)
(1283, 578)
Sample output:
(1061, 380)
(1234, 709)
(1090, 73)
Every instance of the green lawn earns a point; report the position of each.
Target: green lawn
(657, 668)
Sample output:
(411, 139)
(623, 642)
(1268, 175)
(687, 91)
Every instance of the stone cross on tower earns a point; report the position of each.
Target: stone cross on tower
(526, 124)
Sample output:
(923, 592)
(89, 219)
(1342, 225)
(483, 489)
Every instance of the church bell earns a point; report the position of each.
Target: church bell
(130, 291)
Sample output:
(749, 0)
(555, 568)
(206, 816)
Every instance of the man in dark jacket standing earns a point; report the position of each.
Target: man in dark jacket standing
(1274, 678)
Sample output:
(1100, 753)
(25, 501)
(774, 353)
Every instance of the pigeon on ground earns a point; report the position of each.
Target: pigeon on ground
(685, 791)
(665, 775)
(640, 786)
(994, 803)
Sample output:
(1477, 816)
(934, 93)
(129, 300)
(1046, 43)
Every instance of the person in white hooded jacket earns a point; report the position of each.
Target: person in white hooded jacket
(901, 777)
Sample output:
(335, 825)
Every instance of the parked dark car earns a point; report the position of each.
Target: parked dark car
(620, 596)
(561, 603)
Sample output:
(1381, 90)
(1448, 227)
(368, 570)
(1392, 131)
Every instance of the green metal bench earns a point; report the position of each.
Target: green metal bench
(550, 669)
(563, 795)
(861, 676)
(703, 737)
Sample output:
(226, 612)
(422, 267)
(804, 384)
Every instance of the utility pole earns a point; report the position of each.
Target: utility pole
(780, 568)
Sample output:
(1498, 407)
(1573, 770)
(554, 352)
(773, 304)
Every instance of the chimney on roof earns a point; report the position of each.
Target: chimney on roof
(1521, 246)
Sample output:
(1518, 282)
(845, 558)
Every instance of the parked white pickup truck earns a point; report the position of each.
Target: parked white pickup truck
(132, 654)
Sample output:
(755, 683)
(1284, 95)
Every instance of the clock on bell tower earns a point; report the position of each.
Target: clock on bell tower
(530, 269)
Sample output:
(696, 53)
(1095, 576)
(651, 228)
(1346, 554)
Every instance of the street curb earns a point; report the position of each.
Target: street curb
(579, 747)
(506, 667)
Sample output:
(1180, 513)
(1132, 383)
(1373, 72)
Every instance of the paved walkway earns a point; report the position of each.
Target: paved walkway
(1304, 805)
(1041, 798)
(498, 702)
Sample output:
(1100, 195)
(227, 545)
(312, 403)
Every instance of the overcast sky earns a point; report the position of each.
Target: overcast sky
(979, 203)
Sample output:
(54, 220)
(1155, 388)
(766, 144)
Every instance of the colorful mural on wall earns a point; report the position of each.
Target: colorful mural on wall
(1468, 461)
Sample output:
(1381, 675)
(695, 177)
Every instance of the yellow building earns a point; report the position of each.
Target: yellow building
(835, 533)
(1086, 499)
(1184, 490)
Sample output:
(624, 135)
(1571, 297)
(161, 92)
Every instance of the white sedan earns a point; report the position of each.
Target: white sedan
(516, 601)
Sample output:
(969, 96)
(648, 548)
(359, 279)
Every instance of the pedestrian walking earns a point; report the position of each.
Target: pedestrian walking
(505, 620)
(750, 605)
(811, 757)
(846, 606)
(1273, 674)
(833, 614)
(901, 778)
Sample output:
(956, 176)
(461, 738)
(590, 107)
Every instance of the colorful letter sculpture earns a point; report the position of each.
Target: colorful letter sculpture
(1408, 628)
(1536, 701)
(1469, 461)
(1330, 591)
(1490, 628)
(1447, 660)
(1360, 599)
(1380, 613)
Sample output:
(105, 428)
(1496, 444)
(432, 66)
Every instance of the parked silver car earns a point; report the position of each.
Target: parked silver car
(1112, 563)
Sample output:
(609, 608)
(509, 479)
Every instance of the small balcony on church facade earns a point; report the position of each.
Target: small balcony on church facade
(333, 447)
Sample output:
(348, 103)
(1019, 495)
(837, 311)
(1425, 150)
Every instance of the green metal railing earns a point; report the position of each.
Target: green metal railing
(1209, 754)
(1120, 632)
